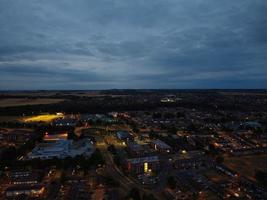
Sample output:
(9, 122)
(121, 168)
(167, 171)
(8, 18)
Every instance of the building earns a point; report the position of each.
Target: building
(66, 122)
(55, 137)
(143, 165)
(193, 160)
(125, 136)
(100, 118)
(144, 136)
(135, 149)
(24, 177)
(251, 125)
(193, 163)
(32, 191)
(160, 146)
(62, 149)
(15, 137)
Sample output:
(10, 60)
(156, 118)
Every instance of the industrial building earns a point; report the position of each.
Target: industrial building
(33, 191)
(62, 149)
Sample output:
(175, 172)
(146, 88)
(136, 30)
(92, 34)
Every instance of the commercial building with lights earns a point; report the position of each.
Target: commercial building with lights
(143, 165)
(62, 149)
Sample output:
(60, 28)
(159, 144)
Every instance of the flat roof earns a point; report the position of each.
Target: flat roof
(143, 159)
(161, 144)
(123, 134)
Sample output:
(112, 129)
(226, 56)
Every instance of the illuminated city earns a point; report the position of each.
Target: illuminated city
(187, 148)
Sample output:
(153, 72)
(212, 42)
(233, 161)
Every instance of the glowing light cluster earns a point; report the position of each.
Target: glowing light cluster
(42, 118)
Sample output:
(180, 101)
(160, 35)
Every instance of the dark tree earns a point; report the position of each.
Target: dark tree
(219, 159)
(148, 197)
(134, 194)
(261, 177)
(171, 182)
(111, 148)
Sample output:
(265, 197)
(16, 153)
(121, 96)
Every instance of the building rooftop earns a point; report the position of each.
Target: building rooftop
(161, 144)
(123, 135)
(62, 149)
(144, 159)
(135, 147)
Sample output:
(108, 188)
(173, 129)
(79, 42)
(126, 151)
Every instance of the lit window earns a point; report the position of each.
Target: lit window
(145, 167)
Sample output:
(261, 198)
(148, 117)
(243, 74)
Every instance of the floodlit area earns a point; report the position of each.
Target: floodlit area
(43, 118)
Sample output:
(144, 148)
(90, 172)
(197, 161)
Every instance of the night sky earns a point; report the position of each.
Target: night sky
(105, 44)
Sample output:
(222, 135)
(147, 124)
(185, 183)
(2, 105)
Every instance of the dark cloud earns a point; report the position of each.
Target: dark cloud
(133, 44)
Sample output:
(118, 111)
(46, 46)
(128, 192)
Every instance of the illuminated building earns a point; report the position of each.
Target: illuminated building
(62, 149)
(143, 165)
(32, 191)
(24, 177)
(66, 122)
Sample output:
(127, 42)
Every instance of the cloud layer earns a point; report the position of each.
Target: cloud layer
(103, 44)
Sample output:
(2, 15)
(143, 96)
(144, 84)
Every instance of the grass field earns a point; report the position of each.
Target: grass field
(10, 118)
(246, 165)
(42, 118)
(24, 101)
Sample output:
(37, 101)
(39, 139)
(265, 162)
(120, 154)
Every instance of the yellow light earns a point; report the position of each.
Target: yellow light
(216, 144)
(145, 167)
(43, 118)
(236, 194)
